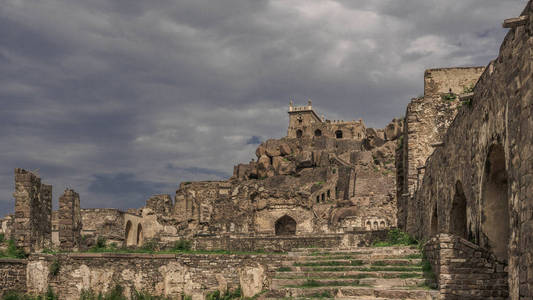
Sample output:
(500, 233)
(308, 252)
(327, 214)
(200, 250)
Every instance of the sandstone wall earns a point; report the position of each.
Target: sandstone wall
(12, 275)
(426, 120)
(163, 274)
(105, 222)
(69, 220)
(478, 184)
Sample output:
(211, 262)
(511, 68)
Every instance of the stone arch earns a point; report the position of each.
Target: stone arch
(382, 225)
(299, 133)
(285, 225)
(129, 234)
(495, 204)
(434, 222)
(318, 132)
(368, 225)
(458, 216)
(338, 134)
(375, 225)
(140, 236)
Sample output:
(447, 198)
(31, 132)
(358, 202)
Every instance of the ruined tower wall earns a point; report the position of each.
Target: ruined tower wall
(69, 220)
(33, 208)
(426, 121)
(499, 116)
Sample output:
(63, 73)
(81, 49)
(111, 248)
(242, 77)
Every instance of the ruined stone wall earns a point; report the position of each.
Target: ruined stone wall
(33, 209)
(105, 222)
(12, 275)
(481, 176)
(6, 226)
(426, 121)
(465, 270)
(69, 220)
(162, 274)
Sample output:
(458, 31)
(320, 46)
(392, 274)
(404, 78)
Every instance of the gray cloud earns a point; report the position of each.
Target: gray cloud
(121, 99)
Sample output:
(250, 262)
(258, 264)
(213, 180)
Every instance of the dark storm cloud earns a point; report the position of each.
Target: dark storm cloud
(122, 99)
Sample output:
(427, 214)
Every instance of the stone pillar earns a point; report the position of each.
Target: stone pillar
(69, 219)
(33, 208)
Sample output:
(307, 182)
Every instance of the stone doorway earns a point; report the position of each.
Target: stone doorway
(458, 219)
(495, 204)
(285, 226)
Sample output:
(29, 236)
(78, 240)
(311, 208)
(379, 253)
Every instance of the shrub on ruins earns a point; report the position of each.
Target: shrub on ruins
(182, 245)
(12, 295)
(396, 237)
(150, 245)
(13, 251)
(2, 238)
(229, 294)
(54, 268)
(116, 293)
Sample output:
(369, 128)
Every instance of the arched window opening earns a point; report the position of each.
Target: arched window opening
(129, 234)
(375, 224)
(285, 226)
(382, 225)
(434, 222)
(299, 133)
(323, 197)
(139, 235)
(329, 194)
(495, 204)
(338, 134)
(458, 219)
(368, 225)
(318, 132)
(317, 199)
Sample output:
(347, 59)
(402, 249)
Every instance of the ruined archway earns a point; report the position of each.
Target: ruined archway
(299, 133)
(458, 219)
(318, 132)
(129, 234)
(285, 226)
(495, 204)
(140, 236)
(338, 134)
(434, 222)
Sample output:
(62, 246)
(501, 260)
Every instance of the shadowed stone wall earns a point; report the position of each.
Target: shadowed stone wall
(69, 219)
(487, 152)
(12, 275)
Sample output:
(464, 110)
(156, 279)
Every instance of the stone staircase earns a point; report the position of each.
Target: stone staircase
(357, 273)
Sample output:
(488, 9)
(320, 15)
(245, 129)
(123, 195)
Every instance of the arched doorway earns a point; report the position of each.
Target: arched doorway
(127, 238)
(495, 204)
(434, 222)
(318, 132)
(338, 134)
(458, 219)
(285, 226)
(139, 235)
(299, 133)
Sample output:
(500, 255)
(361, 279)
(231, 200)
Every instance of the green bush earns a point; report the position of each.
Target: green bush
(14, 251)
(182, 245)
(228, 295)
(396, 237)
(2, 238)
(449, 96)
(11, 295)
(54, 268)
(150, 245)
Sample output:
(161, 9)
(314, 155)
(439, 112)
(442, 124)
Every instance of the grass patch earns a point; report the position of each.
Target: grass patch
(49, 295)
(284, 269)
(414, 256)
(311, 283)
(216, 295)
(2, 238)
(13, 251)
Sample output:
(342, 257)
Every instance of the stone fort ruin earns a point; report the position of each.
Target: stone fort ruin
(455, 172)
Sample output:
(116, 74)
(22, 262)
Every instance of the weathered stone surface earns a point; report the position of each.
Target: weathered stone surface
(252, 279)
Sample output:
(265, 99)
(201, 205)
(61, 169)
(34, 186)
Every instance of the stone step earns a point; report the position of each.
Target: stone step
(357, 250)
(350, 292)
(363, 268)
(370, 282)
(357, 262)
(348, 274)
(358, 256)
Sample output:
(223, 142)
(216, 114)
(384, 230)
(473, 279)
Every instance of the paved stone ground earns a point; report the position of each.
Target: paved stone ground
(356, 273)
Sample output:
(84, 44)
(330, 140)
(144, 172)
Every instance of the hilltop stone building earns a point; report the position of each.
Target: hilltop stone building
(455, 172)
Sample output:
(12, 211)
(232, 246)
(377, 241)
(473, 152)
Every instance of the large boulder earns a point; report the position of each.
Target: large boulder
(304, 159)
(285, 149)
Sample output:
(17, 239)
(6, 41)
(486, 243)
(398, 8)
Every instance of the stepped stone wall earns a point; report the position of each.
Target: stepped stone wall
(478, 184)
(465, 270)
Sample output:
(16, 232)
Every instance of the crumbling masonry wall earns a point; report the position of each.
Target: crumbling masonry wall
(12, 275)
(426, 120)
(33, 211)
(486, 162)
(69, 219)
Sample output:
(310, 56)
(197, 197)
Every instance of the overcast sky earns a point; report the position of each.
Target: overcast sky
(121, 99)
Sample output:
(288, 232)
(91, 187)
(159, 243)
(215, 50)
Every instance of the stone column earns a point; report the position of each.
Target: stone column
(27, 188)
(69, 218)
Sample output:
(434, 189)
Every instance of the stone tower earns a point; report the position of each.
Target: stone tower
(301, 120)
(69, 216)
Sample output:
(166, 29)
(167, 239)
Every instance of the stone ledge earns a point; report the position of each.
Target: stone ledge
(13, 260)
